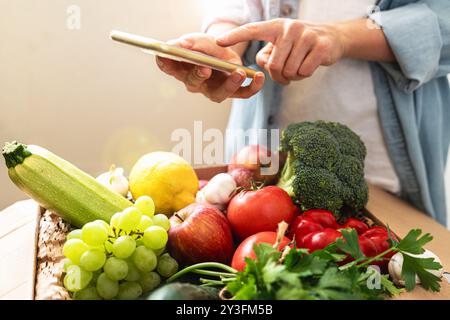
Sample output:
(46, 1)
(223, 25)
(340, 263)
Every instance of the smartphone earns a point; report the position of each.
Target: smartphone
(172, 52)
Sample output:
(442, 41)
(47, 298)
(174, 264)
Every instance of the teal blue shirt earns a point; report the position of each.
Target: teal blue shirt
(413, 96)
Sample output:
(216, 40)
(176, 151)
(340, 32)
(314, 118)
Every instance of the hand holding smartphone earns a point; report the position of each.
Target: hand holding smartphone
(172, 52)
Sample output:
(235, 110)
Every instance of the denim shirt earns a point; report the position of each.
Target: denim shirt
(413, 94)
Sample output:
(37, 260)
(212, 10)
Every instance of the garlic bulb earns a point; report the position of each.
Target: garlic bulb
(217, 191)
(396, 263)
(115, 180)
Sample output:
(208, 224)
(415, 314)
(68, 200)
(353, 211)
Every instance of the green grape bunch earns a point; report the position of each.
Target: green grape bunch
(120, 260)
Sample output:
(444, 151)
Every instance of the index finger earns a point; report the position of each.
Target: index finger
(262, 31)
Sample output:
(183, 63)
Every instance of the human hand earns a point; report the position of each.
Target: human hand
(295, 49)
(215, 85)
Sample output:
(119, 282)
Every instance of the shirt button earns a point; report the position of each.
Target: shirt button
(286, 10)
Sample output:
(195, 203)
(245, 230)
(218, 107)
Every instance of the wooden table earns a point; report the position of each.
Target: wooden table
(18, 238)
(401, 217)
(18, 225)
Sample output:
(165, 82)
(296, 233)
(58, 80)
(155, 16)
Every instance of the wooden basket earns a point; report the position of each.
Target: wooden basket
(52, 235)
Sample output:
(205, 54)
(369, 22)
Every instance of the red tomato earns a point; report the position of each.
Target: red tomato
(320, 239)
(245, 249)
(323, 217)
(356, 224)
(250, 212)
(304, 228)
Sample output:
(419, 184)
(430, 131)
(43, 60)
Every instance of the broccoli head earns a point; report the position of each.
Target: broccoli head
(324, 167)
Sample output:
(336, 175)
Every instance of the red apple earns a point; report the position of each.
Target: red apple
(200, 233)
(255, 158)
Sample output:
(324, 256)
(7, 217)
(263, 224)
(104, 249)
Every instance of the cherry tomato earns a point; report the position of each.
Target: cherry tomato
(356, 224)
(245, 249)
(320, 239)
(304, 228)
(323, 217)
(250, 212)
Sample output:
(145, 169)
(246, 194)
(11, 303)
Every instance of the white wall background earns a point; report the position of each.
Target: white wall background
(86, 98)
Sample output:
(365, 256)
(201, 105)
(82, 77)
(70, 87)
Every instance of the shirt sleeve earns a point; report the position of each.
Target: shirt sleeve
(239, 12)
(419, 36)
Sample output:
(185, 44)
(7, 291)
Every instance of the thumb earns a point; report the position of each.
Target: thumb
(262, 57)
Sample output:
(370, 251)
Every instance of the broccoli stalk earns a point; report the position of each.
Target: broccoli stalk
(287, 176)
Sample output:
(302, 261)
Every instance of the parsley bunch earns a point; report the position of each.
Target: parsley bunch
(323, 274)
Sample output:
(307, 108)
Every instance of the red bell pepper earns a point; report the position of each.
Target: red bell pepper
(320, 239)
(379, 236)
(356, 224)
(323, 217)
(304, 228)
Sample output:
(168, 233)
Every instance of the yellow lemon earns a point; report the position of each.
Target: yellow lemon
(167, 178)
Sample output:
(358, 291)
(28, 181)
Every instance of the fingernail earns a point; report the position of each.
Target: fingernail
(259, 77)
(237, 77)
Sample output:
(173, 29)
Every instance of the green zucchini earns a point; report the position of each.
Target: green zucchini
(59, 186)
(183, 291)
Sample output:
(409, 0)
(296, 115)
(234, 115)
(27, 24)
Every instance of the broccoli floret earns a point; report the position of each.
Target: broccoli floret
(324, 166)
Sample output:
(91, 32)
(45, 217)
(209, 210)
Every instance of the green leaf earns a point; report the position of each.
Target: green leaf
(305, 264)
(412, 243)
(333, 278)
(332, 294)
(389, 286)
(413, 266)
(296, 293)
(293, 257)
(350, 243)
(272, 272)
(265, 252)
(243, 288)
(349, 265)
(329, 255)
